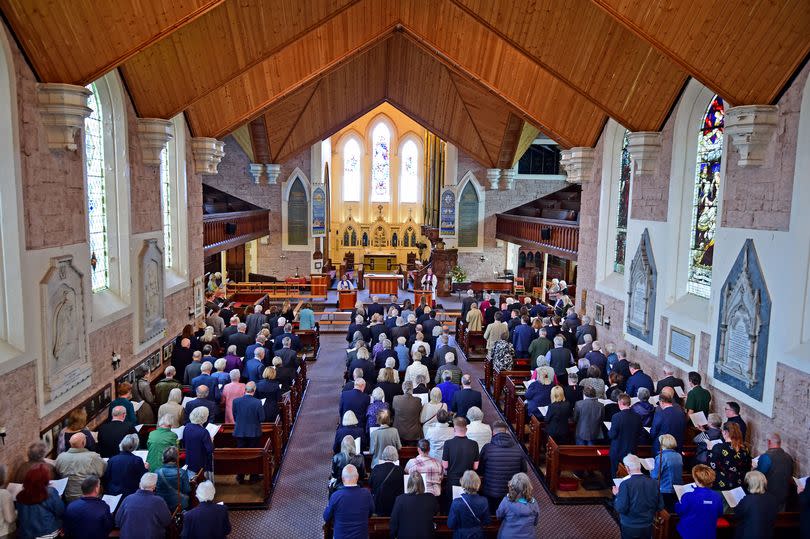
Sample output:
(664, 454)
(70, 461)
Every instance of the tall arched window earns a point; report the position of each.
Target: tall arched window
(704, 213)
(468, 217)
(380, 165)
(409, 176)
(297, 214)
(166, 204)
(623, 208)
(351, 171)
(96, 193)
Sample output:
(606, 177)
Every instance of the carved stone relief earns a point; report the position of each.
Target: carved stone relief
(152, 319)
(641, 292)
(64, 336)
(742, 334)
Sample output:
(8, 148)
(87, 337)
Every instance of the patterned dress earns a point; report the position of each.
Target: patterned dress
(371, 413)
(729, 465)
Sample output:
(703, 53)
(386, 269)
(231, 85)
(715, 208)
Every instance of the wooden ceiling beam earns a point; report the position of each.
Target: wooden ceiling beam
(99, 36)
(747, 52)
(509, 144)
(258, 140)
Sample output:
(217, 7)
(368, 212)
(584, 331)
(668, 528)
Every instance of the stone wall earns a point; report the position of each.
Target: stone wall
(651, 191)
(55, 218)
(234, 178)
(494, 250)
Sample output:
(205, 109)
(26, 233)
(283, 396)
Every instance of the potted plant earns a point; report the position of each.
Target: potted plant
(457, 275)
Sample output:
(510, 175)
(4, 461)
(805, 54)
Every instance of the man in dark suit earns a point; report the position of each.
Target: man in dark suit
(429, 323)
(261, 342)
(637, 500)
(624, 433)
(586, 329)
(202, 400)
(401, 330)
(375, 307)
(295, 342)
(622, 366)
(182, 356)
(442, 349)
(205, 379)
(253, 367)
(289, 357)
(588, 417)
(732, 410)
(355, 400)
(193, 369)
(366, 365)
(248, 414)
(255, 321)
(468, 300)
(358, 326)
(279, 328)
(669, 380)
(111, 433)
(241, 339)
(668, 419)
(638, 379)
(465, 398)
(229, 331)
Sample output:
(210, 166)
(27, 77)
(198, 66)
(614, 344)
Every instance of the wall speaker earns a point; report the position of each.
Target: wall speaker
(230, 228)
(545, 233)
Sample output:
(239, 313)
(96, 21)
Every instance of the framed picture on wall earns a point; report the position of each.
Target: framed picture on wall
(681, 344)
(48, 438)
(168, 348)
(599, 313)
(199, 297)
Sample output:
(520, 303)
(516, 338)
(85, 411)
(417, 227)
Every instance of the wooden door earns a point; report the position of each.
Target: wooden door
(235, 263)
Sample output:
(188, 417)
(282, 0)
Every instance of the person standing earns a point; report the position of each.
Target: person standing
(39, 506)
(518, 511)
(88, 517)
(625, 430)
(413, 512)
(700, 509)
(469, 513)
(498, 463)
(208, 519)
(756, 513)
(588, 418)
(350, 507)
(777, 466)
(697, 399)
(668, 469)
(637, 500)
(143, 515)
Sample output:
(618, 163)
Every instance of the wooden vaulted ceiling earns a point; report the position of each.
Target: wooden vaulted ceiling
(484, 75)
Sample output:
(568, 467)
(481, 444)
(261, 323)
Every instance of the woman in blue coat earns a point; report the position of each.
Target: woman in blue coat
(700, 509)
(469, 513)
(198, 443)
(518, 511)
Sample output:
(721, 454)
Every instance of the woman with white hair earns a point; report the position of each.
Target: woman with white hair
(348, 455)
(538, 393)
(232, 391)
(431, 408)
(377, 403)
(174, 408)
(219, 373)
(477, 430)
(386, 481)
(420, 341)
(756, 513)
(208, 519)
(124, 470)
(198, 443)
(348, 427)
(415, 369)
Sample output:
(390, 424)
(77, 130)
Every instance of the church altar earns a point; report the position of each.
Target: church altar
(380, 283)
(380, 262)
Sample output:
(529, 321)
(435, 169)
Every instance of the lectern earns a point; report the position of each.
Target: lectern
(419, 294)
(347, 299)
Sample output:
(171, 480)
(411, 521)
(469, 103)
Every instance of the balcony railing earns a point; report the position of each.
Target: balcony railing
(223, 231)
(560, 238)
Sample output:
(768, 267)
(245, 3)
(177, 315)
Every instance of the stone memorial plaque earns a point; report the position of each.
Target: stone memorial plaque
(681, 344)
(639, 305)
(642, 290)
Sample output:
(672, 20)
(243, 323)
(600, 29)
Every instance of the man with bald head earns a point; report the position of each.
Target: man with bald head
(181, 355)
(77, 463)
(111, 433)
(350, 507)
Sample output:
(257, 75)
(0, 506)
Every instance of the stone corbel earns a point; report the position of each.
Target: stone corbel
(578, 164)
(644, 148)
(63, 108)
(508, 178)
(750, 128)
(154, 133)
(257, 171)
(494, 178)
(273, 171)
(207, 153)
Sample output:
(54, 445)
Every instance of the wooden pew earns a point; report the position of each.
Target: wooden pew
(499, 379)
(380, 528)
(476, 346)
(229, 461)
(513, 385)
(664, 523)
(310, 342)
(271, 432)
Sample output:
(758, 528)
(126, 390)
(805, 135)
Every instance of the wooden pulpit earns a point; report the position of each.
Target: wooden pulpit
(419, 294)
(347, 299)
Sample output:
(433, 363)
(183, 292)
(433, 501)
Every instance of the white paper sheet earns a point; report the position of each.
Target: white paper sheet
(357, 445)
(617, 480)
(527, 383)
(607, 424)
(572, 370)
(405, 482)
(754, 463)
(698, 419)
(138, 428)
(801, 482)
(142, 453)
(634, 400)
(187, 400)
(457, 492)
(137, 405)
(680, 490)
(372, 429)
(59, 485)
(711, 443)
(734, 496)
(264, 399)
(14, 489)
(543, 410)
(424, 397)
(111, 501)
(654, 400)
(648, 464)
(679, 391)
(213, 430)
(605, 401)
(648, 429)
(179, 432)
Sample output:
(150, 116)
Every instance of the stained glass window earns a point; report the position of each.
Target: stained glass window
(704, 212)
(468, 217)
(409, 177)
(623, 207)
(165, 200)
(96, 193)
(380, 165)
(297, 214)
(351, 171)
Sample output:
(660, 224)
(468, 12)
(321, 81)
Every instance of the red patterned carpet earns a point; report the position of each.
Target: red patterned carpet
(299, 497)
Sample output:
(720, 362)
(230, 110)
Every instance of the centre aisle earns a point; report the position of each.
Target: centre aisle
(299, 496)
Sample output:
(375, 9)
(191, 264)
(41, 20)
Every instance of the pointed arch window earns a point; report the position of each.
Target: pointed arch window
(351, 171)
(623, 207)
(468, 217)
(166, 203)
(705, 201)
(297, 214)
(409, 176)
(96, 193)
(380, 165)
